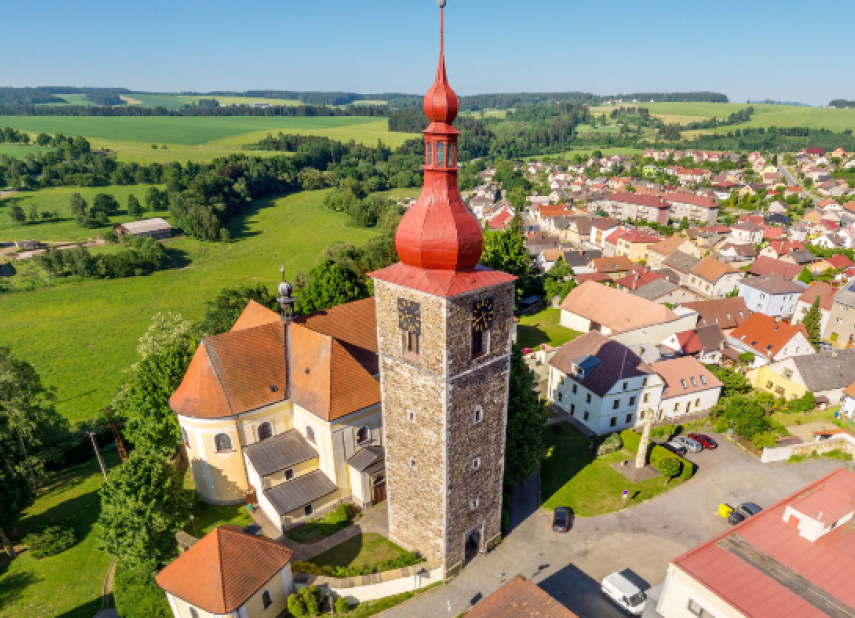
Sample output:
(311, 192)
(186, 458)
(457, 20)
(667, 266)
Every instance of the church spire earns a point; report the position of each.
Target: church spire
(439, 232)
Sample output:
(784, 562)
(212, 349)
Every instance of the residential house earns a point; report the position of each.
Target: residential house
(520, 598)
(636, 278)
(627, 318)
(634, 245)
(229, 573)
(603, 384)
(825, 374)
(689, 387)
(578, 259)
(234, 406)
(778, 249)
(840, 330)
(547, 258)
(601, 228)
(610, 244)
(704, 342)
(763, 266)
(659, 252)
(771, 295)
(802, 257)
(790, 559)
(820, 290)
(682, 264)
(155, 228)
(713, 278)
(727, 313)
(693, 207)
(614, 267)
(747, 231)
(666, 292)
(770, 339)
(847, 401)
(637, 207)
(730, 252)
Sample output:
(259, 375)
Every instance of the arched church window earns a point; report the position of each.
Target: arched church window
(265, 430)
(222, 442)
(440, 154)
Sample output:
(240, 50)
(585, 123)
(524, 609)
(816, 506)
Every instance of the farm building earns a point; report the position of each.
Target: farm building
(156, 228)
(27, 244)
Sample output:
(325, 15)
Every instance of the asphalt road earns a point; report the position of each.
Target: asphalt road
(792, 182)
(642, 538)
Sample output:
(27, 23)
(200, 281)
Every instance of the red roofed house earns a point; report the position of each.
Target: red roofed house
(780, 248)
(689, 387)
(520, 598)
(820, 290)
(770, 339)
(793, 559)
(634, 245)
(632, 281)
(501, 220)
(229, 573)
(692, 207)
(713, 278)
(637, 207)
(763, 266)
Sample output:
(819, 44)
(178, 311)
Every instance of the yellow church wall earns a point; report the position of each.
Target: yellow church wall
(299, 470)
(320, 506)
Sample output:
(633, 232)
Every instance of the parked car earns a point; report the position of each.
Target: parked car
(743, 512)
(676, 447)
(561, 519)
(706, 441)
(624, 594)
(691, 445)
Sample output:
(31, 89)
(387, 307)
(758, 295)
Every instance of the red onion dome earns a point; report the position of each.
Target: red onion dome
(441, 101)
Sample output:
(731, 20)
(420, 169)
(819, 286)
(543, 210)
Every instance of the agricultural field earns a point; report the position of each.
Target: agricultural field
(201, 138)
(81, 336)
(20, 151)
(65, 229)
(72, 99)
(764, 115)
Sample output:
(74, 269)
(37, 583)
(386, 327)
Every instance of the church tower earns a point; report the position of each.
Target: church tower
(444, 327)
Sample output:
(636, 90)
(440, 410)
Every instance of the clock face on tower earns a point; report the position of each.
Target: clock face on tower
(482, 314)
(409, 316)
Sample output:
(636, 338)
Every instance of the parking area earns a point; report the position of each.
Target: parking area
(643, 538)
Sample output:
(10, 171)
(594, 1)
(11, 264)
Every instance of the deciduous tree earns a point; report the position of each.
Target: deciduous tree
(143, 505)
(135, 209)
(330, 285)
(225, 309)
(524, 445)
(16, 494)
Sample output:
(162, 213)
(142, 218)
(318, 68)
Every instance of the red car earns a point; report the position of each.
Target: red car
(706, 441)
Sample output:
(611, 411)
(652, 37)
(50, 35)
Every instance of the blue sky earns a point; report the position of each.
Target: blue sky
(756, 49)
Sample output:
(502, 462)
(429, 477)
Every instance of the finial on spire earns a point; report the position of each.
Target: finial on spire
(285, 300)
(441, 3)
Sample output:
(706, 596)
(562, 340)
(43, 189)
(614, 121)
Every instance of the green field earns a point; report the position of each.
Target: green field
(69, 584)
(21, 151)
(55, 200)
(81, 336)
(72, 99)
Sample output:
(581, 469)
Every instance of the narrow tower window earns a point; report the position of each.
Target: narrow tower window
(411, 343)
(440, 154)
(451, 153)
(429, 154)
(479, 347)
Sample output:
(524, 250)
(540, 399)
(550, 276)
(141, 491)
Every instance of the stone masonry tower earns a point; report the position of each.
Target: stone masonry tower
(444, 326)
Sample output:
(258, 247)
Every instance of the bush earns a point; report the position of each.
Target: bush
(666, 431)
(342, 605)
(311, 597)
(631, 442)
(764, 440)
(722, 425)
(610, 445)
(838, 454)
(402, 561)
(669, 467)
(297, 607)
(138, 596)
(50, 541)
(630, 439)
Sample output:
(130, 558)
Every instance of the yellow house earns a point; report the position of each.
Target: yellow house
(286, 414)
(634, 245)
(229, 573)
(776, 379)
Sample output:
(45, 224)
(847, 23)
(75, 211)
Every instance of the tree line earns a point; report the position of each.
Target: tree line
(193, 109)
(141, 256)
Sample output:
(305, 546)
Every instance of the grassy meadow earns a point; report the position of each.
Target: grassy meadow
(81, 336)
(55, 199)
(20, 151)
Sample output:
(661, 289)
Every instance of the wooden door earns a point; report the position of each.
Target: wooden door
(379, 491)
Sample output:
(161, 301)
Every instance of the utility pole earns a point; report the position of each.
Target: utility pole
(117, 436)
(97, 453)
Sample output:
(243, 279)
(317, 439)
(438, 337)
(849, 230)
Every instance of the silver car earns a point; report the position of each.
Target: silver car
(693, 446)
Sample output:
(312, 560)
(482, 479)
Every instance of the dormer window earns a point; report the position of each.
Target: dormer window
(683, 382)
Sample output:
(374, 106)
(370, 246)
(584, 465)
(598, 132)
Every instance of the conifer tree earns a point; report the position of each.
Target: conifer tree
(812, 322)
(524, 445)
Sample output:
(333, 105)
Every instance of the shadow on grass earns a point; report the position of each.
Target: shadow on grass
(344, 554)
(571, 453)
(239, 225)
(531, 336)
(13, 586)
(179, 257)
(315, 531)
(7, 270)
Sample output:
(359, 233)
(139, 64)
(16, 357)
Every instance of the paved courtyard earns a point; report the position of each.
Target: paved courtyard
(643, 538)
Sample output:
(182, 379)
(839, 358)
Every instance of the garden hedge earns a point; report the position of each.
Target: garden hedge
(632, 440)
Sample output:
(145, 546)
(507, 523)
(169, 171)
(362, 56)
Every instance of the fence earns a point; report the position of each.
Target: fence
(373, 587)
(844, 442)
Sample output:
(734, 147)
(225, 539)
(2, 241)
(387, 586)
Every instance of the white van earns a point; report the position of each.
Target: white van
(624, 593)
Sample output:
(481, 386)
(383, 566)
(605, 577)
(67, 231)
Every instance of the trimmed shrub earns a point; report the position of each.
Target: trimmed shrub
(669, 467)
(610, 445)
(50, 541)
(342, 605)
(138, 596)
(763, 440)
(297, 606)
(630, 439)
(404, 560)
(311, 596)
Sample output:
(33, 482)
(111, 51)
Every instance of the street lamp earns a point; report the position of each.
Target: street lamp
(193, 521)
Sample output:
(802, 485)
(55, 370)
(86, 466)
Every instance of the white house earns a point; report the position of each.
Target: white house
(769, 339)
(689, 387)
(772, 295)
(603, 384)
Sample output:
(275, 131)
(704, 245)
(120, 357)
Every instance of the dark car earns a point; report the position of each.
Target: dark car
(561, 520)
(706, 441)
(675, 447)
(743, 512)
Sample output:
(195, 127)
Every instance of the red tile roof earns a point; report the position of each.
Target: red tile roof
(710, 269)
(823, 290)
(619, 263)
(684, 376)
(765, 335)
(254, 315)
(825, 564)
(520, 598)
(840, 262)
(763, 266)
(441, 283)
(634, 281)
(598, 277)
(690, 198)
(224, 569)
(639, 237)
(653, 201)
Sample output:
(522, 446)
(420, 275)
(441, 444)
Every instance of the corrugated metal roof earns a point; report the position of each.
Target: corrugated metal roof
(304, 490)
(280, 452)
(146, 226)
(367, 457)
